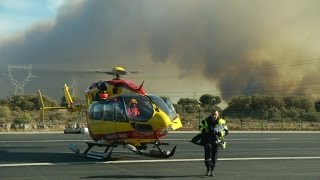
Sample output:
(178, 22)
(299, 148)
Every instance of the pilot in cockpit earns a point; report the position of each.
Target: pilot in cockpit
(133, 110)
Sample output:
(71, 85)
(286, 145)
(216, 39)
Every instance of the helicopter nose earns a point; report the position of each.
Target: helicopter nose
(160, 121)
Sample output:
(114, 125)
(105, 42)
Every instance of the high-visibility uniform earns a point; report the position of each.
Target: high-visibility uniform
(213, 131)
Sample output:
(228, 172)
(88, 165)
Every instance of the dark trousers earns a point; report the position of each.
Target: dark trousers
(210, 155)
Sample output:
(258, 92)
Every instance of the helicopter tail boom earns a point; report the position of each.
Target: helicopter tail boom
(43, 107)
(71, 106)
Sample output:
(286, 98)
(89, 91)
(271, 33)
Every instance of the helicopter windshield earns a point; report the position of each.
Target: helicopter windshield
(165, 105)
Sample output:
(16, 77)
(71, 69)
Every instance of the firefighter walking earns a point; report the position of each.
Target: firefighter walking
(213, 130)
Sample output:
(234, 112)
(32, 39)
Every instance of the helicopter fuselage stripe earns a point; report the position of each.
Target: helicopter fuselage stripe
(130, 135)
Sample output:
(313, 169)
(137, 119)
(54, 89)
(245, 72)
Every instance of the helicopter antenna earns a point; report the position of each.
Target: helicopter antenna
(141, 85)
(73, 87)
(19, 85)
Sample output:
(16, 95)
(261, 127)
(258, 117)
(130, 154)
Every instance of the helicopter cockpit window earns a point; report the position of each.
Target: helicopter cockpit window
(138, 107)
(102, 111)
(96, 111)
(108, 113)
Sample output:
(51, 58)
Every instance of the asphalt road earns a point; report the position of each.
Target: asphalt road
(248, 156)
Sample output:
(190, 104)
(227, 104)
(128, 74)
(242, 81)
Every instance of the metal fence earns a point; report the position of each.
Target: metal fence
(242, 120)
(246, 121)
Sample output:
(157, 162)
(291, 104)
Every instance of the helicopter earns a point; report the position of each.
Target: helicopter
(110, 122)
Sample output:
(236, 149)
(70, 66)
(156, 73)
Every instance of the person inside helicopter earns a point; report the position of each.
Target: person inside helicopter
(103, 96)
(133, 110)
(102, 91)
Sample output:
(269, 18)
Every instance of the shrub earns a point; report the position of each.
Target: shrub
(292, 114)
(5, 112)
(26, 118)
(191, 108)
(311, 116)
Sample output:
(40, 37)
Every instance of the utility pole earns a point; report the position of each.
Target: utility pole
(19, 85)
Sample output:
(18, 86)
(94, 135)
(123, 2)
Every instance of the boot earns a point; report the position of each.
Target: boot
(208, 172)
(211, 173)
(224, 145)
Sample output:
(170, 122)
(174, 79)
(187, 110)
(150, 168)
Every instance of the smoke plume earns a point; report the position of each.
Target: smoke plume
(243, 47)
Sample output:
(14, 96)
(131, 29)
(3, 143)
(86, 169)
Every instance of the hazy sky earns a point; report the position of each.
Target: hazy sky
(185, 48)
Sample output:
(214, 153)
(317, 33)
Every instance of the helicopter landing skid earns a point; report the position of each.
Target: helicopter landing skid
(93, 154)
(158, 152)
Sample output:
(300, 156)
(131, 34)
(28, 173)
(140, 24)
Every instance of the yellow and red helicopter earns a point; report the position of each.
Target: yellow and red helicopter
(110, 122)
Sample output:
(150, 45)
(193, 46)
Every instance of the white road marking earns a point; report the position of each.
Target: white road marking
(158, 161)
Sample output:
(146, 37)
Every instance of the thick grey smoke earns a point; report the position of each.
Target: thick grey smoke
(244, 47)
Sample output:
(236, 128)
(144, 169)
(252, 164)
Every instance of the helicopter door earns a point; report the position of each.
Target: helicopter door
(139, 111)
(122, 123)
(120, 113)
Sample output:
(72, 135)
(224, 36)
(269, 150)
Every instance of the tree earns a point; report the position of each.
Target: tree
(258, 103)
(274, 101)
(191, 108)
(298, 102)
(206, 99)
(241, 103)
(209, 101)
(184, 102)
